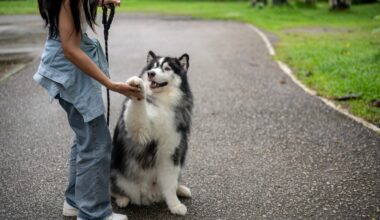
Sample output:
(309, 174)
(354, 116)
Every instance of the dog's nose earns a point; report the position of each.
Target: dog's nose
(151, 74)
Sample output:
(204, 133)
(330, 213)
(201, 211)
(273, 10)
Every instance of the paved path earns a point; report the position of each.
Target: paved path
(260, 148)
(20, 43)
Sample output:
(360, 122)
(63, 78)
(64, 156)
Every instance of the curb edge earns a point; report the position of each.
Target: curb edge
(289, 73)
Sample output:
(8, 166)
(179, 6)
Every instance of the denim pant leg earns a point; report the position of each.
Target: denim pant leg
(92, 164)
(70, 190)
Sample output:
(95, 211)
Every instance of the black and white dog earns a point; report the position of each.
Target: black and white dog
(150, 139)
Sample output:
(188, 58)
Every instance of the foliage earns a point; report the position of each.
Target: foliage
(363, 1)
(377, 30)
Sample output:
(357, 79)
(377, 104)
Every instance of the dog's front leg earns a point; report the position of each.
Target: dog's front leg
(168, 180)
(136, 117)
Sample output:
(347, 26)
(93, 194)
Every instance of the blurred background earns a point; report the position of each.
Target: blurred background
(332, 46)
(261, 148)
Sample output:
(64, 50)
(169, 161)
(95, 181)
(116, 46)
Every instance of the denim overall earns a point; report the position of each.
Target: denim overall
(81, 98)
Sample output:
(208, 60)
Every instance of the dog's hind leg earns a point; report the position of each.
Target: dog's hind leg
(117, 193)
(183, 191)
(125, 191)
(121, 201)
(168, 180)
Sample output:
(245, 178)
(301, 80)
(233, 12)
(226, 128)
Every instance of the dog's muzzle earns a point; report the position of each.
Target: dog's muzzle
(154, 85)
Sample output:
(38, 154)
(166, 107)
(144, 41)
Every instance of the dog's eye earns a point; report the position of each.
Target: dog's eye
(167, 69)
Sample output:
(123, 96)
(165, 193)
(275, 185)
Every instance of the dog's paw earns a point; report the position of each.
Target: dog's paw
(136, 82)
(122, 202)
(183, 191)
(179, 209)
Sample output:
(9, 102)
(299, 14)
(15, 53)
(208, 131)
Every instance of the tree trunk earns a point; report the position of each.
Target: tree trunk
(279, 2)
(255, 3)
(310, 2)
(337, 5)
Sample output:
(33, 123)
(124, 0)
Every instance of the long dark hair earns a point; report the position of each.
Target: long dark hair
(49, 10)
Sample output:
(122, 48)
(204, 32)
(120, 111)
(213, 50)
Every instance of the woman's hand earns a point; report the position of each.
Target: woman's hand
(127, 90)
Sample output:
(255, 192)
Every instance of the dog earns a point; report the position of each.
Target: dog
(151, 137)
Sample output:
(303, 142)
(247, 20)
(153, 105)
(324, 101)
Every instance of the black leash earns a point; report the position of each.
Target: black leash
(107, 21)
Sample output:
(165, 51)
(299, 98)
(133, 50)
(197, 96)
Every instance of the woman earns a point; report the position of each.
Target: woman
(72, 69)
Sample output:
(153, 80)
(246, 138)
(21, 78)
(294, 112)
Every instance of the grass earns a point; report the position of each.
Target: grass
(337, 64)
(335, 53)
(18, 7)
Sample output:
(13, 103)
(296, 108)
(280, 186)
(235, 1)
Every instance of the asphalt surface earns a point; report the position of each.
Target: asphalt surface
(260, 148)
(20, 43)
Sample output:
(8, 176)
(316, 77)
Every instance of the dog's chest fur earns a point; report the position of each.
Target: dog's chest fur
(162, 126)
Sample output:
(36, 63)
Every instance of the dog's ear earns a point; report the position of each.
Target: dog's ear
(151, 56)
(184, 61)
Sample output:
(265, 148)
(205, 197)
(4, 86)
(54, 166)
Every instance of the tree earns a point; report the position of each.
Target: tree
(279, 2)
(338, 5)
(306, 3)
(262, 3)
(310, 3)
(259, 3)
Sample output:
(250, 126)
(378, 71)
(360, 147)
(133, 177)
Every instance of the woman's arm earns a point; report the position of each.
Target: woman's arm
(70, 40)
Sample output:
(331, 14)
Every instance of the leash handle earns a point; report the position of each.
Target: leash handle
(107, 21)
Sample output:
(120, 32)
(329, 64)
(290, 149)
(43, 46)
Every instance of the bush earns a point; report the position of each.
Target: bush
(356, 2)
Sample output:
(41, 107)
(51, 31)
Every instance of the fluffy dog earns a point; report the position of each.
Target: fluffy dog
(151, 138)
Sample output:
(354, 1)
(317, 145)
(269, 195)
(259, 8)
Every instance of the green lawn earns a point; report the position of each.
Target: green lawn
(18, 7)
(335, 53)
